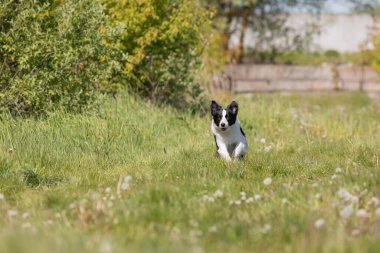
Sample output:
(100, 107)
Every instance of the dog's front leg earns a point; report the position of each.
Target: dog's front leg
(240, 150)
(223, 152)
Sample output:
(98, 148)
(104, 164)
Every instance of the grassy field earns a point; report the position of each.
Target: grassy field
(65, 188)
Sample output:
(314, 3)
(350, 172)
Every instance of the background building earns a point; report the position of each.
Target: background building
(340, 32)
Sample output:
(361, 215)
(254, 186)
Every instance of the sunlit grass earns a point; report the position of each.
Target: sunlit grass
(309, 184)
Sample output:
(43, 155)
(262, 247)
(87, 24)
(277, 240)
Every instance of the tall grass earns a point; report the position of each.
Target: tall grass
(61, 179)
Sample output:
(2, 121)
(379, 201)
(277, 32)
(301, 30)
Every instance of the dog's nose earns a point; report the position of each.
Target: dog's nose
(222, 125)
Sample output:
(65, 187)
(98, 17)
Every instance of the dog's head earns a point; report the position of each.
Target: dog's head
(224, 118)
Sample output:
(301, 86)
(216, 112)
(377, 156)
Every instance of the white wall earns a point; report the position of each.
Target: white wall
(341, 32)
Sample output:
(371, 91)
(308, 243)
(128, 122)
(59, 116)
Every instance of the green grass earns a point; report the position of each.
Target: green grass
(57, 170)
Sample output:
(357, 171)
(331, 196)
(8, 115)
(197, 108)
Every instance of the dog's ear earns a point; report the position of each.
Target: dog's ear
(233, 107)
(214, 107)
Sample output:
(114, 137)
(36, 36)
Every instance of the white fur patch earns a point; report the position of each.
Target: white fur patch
(231, 137)
(224, 120)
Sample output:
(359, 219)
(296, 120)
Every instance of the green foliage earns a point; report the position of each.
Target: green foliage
(373, 56)
(52, 55)
(163, 40)
(365, 6)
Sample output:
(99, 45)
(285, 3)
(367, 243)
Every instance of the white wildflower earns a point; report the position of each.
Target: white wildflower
(105, 246)
(267, 228)
(127, 179)
(195, 233)
(262, 141)
(362, 213)
(213, 229)
(318, 195)
(12, 213)
(347, 211)
(268, 148)
(207, 198)
(124, 186)
(319, 223)
(1, 197)
(108, 190)
(315, 185)
(374, 201)
(25, 215)
(334, 177)
(344, 194)
(257, 197)
(218, 194)
(284, 201)
(267, 181)
(354, 199)
(249, 200)
(26, 225)
(48, 223)
(338, 170)
(242, 194)
(238, 202)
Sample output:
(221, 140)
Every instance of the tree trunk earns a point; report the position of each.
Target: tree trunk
(226, 35)
(243, 28)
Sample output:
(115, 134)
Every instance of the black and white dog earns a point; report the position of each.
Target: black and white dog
(229, 137)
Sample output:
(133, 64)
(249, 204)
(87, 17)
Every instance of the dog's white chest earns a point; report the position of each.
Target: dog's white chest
(229, 137)
(230, 143)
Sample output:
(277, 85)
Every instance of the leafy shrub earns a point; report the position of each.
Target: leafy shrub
(373, 55)
(163, 40)
(332, 53)
(52, 55)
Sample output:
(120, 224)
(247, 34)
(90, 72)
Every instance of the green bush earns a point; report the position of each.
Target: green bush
(332, 53)
(52, 55)
(373, 56)
(163, 40)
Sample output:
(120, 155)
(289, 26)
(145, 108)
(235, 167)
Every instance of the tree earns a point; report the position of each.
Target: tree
(163, 40)
(365, 6)
(267, 18)
(373, 55)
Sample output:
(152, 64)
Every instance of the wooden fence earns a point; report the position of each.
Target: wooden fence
(248, 78)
